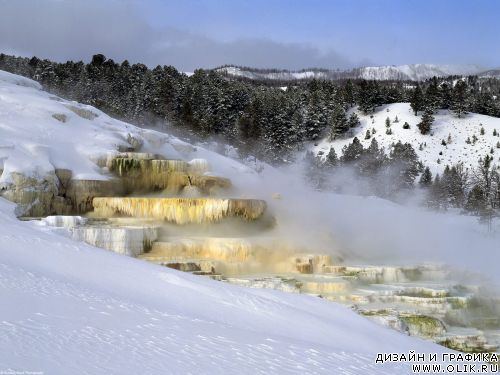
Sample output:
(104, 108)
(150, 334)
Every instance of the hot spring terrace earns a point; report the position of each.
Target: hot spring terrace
(180, 210)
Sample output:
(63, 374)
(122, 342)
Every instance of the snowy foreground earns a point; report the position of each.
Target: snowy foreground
(70, 308)
(67, 307)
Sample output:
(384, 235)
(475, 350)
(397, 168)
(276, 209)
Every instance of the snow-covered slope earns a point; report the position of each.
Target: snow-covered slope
(492, 73)
(70, 308)
(445, 124)
(279, 75)
(40, 132)
(67, 307)
(415, 72)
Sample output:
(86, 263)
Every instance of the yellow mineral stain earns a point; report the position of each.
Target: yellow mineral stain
(180, 210)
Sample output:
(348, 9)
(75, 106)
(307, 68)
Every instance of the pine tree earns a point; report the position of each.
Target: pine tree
(353, 120)
(445, 95)
(372, 160)
(368, 135)
(417, 102)
(338, 122)
(404, 162)
(352, 152)
(406, 125)
(426, 178)
(459, 104)
(331, 159)
(348, 93)
(476, 202)
(437, 195)
(432, 95)
(426, 122)
(387, 122)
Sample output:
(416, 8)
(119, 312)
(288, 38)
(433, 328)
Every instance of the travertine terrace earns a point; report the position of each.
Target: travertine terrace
(168, 211)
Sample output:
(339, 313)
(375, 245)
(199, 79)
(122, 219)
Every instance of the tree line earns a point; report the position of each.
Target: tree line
(269, 122)
(399, 172)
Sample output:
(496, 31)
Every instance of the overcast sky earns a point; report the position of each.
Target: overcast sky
(291, 34)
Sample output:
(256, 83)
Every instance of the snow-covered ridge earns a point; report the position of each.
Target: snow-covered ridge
(278, 75)
(493, 73)
(415, 72)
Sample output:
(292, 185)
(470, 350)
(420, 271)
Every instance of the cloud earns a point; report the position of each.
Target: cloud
(75, 30)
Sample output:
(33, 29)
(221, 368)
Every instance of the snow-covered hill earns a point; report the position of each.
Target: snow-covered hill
(415, 72)
(492, 73)
(432, 153)
(70, 308)
(40, 132)
(284, 75)
(67, 307)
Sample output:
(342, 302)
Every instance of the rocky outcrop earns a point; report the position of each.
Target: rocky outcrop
(55, 193)
(143, 174)
(34, 195)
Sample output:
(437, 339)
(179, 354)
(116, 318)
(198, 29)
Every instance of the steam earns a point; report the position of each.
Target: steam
(363, 229)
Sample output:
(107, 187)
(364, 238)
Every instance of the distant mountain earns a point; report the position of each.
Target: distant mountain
(412, 72)
(416, 72)
(492, 73)
(273, 74)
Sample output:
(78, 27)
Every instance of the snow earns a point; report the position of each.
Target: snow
(281, 75)
(6, 77)
(414, 72)
(34, 143)
(70, 308)
(445, 123)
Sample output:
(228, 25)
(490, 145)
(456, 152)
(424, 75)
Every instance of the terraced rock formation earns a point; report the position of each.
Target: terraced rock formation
(174, 213)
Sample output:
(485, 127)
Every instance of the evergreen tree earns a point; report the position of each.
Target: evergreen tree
(352, 152)
(372, 160)
(338, 122)
(459, 104)
(404, 164)
(331, 159)
(425, 123)
(445, 95)
(432, 95)
(426, 178)
(353, 120)
(476, 202)
(417, 101)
